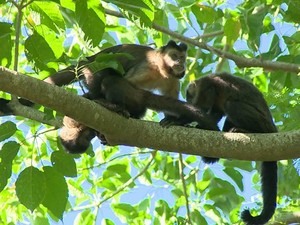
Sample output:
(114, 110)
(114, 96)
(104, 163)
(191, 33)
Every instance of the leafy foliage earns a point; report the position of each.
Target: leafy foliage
(41, 184)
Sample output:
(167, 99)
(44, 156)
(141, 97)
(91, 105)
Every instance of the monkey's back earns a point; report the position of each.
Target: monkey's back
(138, 53)
(241, 90)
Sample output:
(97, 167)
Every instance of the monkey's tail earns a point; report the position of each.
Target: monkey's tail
(269, 193)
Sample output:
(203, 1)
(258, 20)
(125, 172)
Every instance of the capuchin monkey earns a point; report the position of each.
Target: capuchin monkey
(246, 111)
(119, 95)
(147, 68)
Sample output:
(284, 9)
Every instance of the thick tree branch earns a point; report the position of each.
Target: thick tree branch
(140, 133)
(239, 60)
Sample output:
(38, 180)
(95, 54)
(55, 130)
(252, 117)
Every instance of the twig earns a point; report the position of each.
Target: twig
(239, 60)
(188, 212)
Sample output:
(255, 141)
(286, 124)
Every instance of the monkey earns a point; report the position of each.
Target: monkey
(119, 95)
(148, 68)
(246, 110)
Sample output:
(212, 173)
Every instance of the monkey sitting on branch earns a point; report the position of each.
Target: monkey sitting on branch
(246, 111)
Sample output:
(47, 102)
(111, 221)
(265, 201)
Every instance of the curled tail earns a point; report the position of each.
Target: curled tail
(269, 192)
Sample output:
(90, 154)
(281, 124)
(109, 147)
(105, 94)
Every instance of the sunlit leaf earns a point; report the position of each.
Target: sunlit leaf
(50, 14)
(64, 163)
(7, 129)
(31, 187)
(56, 193)
(7, 154)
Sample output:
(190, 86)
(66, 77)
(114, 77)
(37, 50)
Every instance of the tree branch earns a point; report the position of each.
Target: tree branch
(132, 132)
(239, 60)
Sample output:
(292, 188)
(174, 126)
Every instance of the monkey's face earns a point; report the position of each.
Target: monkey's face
(201, 95)
(175, 60)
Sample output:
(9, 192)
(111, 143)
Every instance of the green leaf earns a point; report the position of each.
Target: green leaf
(223, 194)
(138, 11)
(204, 13)
(236, 176)
(64, 163)
(232, 30)
(7, 154)
(255, 24)
(31, 187)
(6, 44)
(292, 14)
(91, 19)
(33, 46)
(55, 42)
(126, 211)
(9, 151)
(197, 218)
(50, 14)
(7, 129)
(107, 222)
(56, 196)
(86, 217)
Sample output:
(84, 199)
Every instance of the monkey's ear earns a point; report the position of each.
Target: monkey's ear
(171, 43)
(183, 47)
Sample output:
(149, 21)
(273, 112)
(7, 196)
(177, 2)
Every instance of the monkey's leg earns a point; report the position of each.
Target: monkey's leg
(113, 107)
(246, 117)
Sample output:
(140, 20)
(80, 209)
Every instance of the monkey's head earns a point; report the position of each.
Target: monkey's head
(75, 137)
(174, 57)
(201, 93)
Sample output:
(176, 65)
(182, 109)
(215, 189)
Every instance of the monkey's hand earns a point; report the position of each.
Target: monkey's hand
(102, 139)
(169, 121)
(113, 107)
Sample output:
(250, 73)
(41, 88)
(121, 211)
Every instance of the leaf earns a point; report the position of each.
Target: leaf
(91, 20)
(31, 187)
(126, 211)
(7, 129)
(85, 218)
(232, 30)
(50, 14)
(204, 14)
(6, 44)
(64, 163)
(9, 151)
(292, 14)
(255, 24)
(138, 11)
(7, 154)
(236, 176)
(57, 194)
(33, 46)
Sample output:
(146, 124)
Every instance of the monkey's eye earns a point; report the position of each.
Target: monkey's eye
(174, 56)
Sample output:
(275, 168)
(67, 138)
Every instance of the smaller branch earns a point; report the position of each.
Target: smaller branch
(188, 212)
(212, 34)
(239, 61)
(33, 114)
(27, 4)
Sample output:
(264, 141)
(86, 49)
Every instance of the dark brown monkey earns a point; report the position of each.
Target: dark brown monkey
(246, 111)
(148, 68)
(118, 94)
